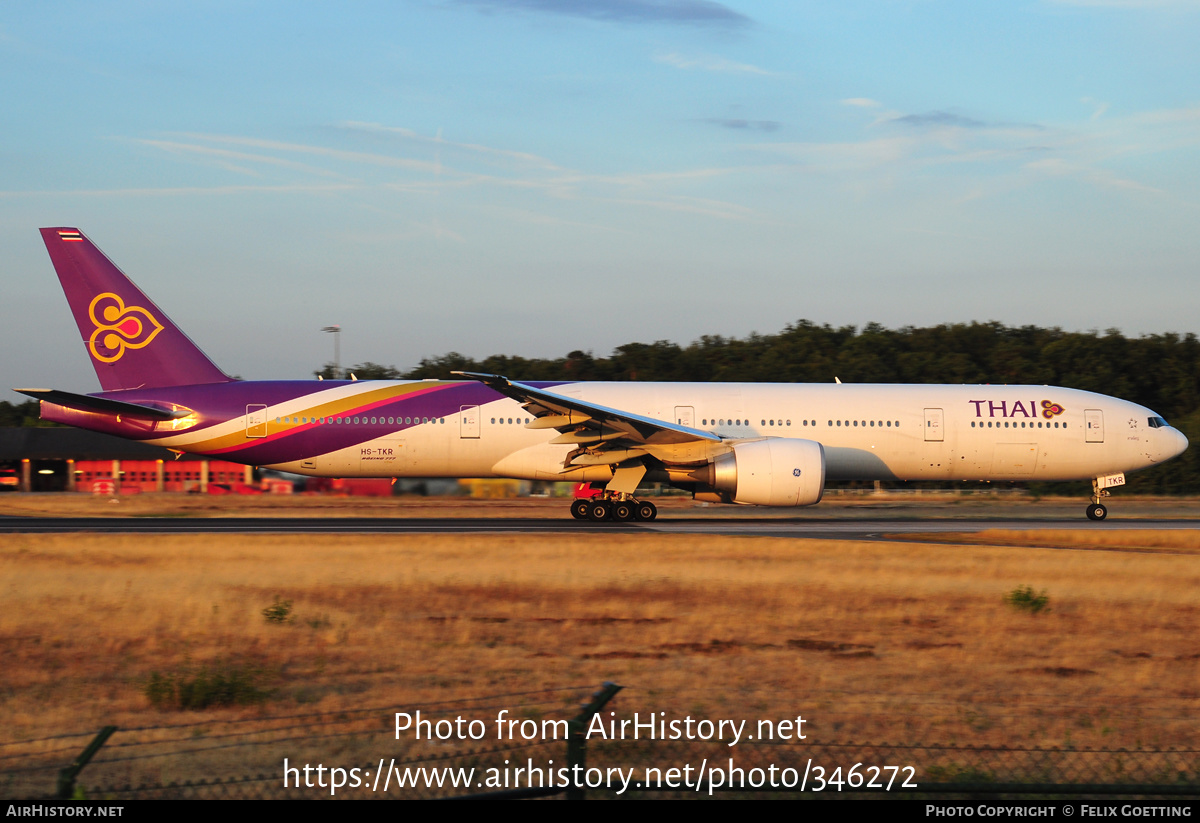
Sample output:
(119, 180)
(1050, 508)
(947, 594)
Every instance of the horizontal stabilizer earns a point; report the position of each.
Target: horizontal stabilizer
(87, 403)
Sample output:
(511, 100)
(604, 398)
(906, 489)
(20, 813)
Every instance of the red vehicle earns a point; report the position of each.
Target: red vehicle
(586, 491)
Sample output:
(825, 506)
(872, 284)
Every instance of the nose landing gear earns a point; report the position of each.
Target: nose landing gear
(1097, 510)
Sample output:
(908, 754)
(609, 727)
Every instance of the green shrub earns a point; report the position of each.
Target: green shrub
(219, 684)
(1025, 599)
(279, 612)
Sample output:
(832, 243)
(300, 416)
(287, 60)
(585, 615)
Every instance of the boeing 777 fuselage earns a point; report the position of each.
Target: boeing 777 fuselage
(761, 444)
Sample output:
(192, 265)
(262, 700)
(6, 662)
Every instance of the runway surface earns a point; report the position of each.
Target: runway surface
(828, 528)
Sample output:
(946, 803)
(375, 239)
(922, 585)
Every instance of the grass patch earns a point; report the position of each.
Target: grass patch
(222, 683)
(278, 612)
(1167, 541)
(1025, 599)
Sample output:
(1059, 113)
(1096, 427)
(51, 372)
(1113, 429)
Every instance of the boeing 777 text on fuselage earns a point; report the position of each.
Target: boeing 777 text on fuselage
(766, 444)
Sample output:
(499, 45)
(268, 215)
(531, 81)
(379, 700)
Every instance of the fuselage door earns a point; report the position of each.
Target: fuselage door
(256, 421)
(685, 416)
(468, 422)
(933, 426)
(1093, 421)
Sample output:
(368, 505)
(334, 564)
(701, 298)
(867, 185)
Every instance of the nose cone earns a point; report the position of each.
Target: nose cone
(1177, 444)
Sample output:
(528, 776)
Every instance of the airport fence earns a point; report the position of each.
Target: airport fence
(544, 744)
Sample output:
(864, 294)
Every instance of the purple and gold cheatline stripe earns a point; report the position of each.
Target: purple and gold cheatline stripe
(342, 407)
(70, 235)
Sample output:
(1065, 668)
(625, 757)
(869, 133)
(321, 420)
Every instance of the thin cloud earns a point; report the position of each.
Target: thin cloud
(1057, 167)
(321, 151)
(224, 156)
(1011, 154)
(834, 158)
(708, 63)
(670, 12)
(862, 102)
(513, 170)
(940, 118)
(750, 125)
(1189, 115)
(1098, 107)
(951, 120)
(519, 157)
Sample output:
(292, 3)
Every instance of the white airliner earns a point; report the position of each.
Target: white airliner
(749, 443)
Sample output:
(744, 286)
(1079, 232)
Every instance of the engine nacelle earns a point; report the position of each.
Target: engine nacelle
(777, 471)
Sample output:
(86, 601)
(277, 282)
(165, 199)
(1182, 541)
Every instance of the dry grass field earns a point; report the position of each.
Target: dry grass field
(1183, 541)
(913, 641)
(870, 641)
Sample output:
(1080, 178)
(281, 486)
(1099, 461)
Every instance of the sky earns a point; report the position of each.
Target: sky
(531, 177)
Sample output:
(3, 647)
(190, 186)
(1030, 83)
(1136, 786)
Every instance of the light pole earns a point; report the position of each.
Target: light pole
(336, 331)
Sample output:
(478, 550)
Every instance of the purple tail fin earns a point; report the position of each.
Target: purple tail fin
(132, 343)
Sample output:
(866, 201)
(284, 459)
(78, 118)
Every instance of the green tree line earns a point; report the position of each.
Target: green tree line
(1158, 371)
(21, 414)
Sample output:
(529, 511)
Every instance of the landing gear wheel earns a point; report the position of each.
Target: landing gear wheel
(579, 509)
(1097, 511)
(598, 510)
(645, 511)
(622, 511)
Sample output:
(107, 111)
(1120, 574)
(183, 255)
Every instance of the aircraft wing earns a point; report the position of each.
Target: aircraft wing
(581, 422)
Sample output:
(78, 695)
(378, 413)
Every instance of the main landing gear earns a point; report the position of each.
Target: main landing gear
(1097, 510)
(598, 509)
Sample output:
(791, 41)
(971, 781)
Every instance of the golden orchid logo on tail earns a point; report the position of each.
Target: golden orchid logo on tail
(119, 327)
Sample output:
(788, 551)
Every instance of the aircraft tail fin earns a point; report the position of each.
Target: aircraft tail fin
(131, 342)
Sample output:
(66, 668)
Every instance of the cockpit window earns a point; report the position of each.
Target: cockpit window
(1157, 423)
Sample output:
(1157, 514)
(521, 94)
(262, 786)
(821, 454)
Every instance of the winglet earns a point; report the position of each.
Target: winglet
(494, 381)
